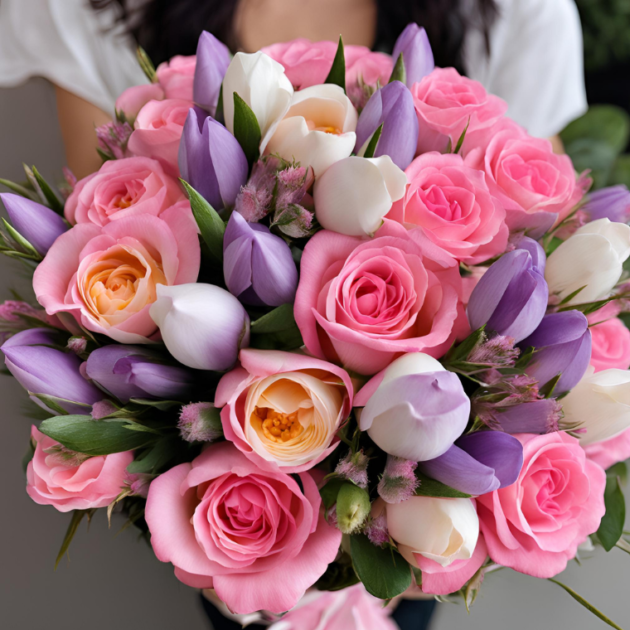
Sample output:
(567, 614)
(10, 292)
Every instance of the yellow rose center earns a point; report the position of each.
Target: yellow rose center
(335, 131)
(276, 426)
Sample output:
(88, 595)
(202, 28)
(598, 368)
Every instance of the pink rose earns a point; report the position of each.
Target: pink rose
(158, 131)
(257, 537)
(529, 179)
(122, 189)
(364, 302)
(176, 77)
(284, 410)
(446, 102)
(308, 63)
(611, 451)
(452, 204)
(536, 525)
(106, 276)
(611, 341)
(351, 608)
(133, 99)
(72, 481)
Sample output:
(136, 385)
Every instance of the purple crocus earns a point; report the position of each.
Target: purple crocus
(563, 346)
(211, 160)
(392, 106)
(257, 265)
(478, 463)
(609, 203)
(42, 369)
(213, 59)
(39, 225)
(136, 372)
(414, 44)
(511, 297)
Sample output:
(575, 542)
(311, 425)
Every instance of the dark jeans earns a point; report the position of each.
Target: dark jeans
(409, 615)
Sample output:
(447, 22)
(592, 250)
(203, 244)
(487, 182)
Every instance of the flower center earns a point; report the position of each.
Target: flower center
(335, 131)
(278, 427)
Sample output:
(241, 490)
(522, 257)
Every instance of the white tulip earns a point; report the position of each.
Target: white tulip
(354, 194)
(592, 258)
(261, 83)
(202, 325)
(442, 530)
(599, 403)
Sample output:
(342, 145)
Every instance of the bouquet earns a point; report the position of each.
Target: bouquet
(328, 328)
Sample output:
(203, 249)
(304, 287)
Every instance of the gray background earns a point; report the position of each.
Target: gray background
(114, 580)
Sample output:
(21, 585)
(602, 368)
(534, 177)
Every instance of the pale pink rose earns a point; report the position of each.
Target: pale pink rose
(72, 481)
(257, 537)
(611, 451)
(446, 102)
(158, 131)
(364, 302)
(176, 77)
(106, 277)
(122, 189)
(284, 410)
(452, 204)
(351, 608)
(528, 178)
(308, 63)
(536, 525)
(133, 99)
(611, 339)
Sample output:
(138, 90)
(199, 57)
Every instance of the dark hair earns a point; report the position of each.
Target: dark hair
(165, 28)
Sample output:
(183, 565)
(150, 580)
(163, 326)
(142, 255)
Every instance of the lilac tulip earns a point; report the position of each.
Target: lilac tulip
(611, 203)
(478, 463)
(211, 160)
(42, 369)
(537, 417)
(563, 346)
(511, 297)
(414, 44)
(257, 265)
(39, 225)
(213, 59)
(136, 372)
(392, 106)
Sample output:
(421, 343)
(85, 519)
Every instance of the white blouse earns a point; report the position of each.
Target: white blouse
(535, 62)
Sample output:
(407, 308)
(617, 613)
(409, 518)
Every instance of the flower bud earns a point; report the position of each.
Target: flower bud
(353, 507)
(78, 345)
(39, 225)
(213, 59)
(202, 325)
(589, 264)
(353, 467)
(200, 422)
(399, 480)
(354, 194)
(414, 45)
(257, 265)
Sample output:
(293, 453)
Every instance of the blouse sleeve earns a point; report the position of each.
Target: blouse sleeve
(535, 63)
(71, 45)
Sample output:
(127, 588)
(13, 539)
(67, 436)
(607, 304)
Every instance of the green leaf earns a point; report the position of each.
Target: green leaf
(339, 575)
(210, 223)
(218, 114)
(372, 144)
(51, 198)
(276, 330)
(18, 189)
(590, 607)
(383, 571)
(611, 527)
(21, 241)
(95, 437)
(246, 129)
(460, 142)
(146, 64)
(337, 74)
(621, 171)
(330, 491)
(431, 488)
(399, 73)
(161, 405)
(55, 404)
(461, 352)
(77, 517)
(548, 388)
(153, 459)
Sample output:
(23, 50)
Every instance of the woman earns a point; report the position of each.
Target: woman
(529, 52)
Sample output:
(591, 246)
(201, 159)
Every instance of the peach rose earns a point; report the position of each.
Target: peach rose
(120, 189)
(106, 277)
(283, 410)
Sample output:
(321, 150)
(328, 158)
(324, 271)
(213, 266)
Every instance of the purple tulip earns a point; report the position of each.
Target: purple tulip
(42, 369)
(392, 106)
(511, 297)
(537, 417)
(478, 463)
(213, 59)
(211, 160)
(135, 372)
(609, 203)
(563, 346)
(39, 225)
(257, 265)
(414, 44)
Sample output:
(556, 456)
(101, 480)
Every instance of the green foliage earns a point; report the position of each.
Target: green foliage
(399, 73)
(246, 129)
(146, 64)
(77, 517)
(276, 330)
(373, 143)
(611, 527)
(337, 74)
(431, 488)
